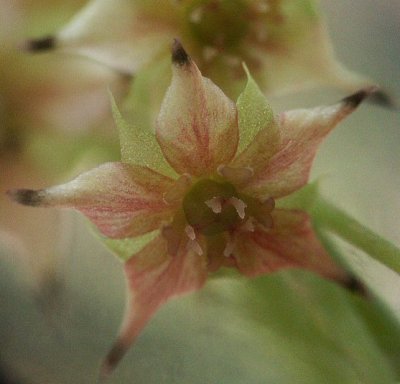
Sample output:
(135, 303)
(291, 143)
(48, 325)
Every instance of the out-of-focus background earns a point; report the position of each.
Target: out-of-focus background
(272, 331)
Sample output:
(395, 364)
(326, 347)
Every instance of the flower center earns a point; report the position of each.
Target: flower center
(212, 207)
(218, 23)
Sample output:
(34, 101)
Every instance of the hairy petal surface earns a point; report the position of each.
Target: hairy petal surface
(121, 200)
(302, 131)
(291, 243)
(197, 125)
(154, 276)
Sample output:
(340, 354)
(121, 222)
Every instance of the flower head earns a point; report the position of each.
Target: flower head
(284, 42)
(204, 192)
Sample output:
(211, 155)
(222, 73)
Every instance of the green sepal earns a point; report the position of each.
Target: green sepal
(138, 144)
(124, 249)
(254, 114)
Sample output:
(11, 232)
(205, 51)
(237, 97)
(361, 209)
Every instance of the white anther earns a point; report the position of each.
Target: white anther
(190, 232)
(196, 16)
(209, 53)
(230, 246)
(214, 204)
(263, 7)
(233, 61)
(195, 247)
(248, 226)
(239, 206)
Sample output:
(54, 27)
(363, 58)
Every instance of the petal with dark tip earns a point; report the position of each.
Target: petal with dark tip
(154, 276)
(120, 199)
(302, 131)
(290, 243)
(118, 34)
(197, 125)
(45, 43)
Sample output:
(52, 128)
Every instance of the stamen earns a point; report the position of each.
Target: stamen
(248, 226)
(190, 232)
(193, 244)
(263, 6)
(239, 206)
(230, 246)
(209, 53)
(196, 15)
(195, 247)
(215, 204)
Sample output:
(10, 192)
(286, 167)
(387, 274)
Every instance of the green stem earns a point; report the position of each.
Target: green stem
(329, 217)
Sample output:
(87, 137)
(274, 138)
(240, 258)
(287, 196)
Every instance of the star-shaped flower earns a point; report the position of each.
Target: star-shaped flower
(214, 202)
(285, 43)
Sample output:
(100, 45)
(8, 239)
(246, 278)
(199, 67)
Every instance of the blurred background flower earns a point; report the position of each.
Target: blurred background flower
(49, 109)
(292, 327)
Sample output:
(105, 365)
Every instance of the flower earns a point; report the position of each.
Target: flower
(33, 98)
(40, 109)
(204, 192)
(284, 42)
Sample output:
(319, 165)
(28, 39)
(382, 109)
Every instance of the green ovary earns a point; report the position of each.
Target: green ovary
(201, 216)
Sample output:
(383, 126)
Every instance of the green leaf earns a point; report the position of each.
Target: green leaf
(254, 114)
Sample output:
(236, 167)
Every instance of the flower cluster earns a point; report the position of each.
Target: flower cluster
(207, 187)
(284, 42)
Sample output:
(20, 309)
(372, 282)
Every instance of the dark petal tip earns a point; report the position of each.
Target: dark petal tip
(42, 44)
(115, 355)
(179, 55)
(355, 99)
(384, 99)
(27, 196)
(356, 286)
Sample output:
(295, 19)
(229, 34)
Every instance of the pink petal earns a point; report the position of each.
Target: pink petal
(154, 277)
(197, 125)
(291, 243)
(302, 131)
(121, 199)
